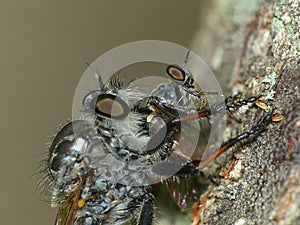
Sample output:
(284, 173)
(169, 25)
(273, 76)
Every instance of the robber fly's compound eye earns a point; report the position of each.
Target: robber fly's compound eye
(176, 72)
(110, 106)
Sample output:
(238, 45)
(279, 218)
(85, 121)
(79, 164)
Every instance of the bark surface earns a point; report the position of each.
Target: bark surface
(260, 178)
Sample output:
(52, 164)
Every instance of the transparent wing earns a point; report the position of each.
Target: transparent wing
(63, 214)
(186, 190)
(194, 138)
(67, 208)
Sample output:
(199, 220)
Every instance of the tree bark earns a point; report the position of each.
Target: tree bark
(258, 181)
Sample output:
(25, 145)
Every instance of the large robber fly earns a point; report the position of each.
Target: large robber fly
(101, 172)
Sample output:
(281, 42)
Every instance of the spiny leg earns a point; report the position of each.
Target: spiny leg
(253, 131)
(231, 104)
(234, 103)
(191, 169)
(146, 216)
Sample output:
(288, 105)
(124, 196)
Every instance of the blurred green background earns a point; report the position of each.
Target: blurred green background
(44, 46)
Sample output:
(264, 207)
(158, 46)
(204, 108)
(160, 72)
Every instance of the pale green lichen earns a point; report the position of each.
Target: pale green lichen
(277, 27)
(270, 95)
(270, 80)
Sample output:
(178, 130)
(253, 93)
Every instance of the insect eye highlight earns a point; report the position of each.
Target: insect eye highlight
(176, 72)
(59, 155)
(110, 106)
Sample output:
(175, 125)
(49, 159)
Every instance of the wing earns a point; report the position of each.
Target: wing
(186, 190)
(65, 214)
(66, 209)
(194, 137)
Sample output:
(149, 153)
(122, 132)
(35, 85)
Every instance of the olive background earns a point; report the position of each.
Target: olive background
(44, 46)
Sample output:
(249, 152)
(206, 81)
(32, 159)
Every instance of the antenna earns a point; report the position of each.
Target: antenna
(187, 58)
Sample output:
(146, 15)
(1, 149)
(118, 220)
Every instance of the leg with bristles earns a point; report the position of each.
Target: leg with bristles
(195, 166)
(231, 104)
(274, 116)
(147, 211)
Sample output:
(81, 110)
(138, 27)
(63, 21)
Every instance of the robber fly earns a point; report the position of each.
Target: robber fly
(101, 172)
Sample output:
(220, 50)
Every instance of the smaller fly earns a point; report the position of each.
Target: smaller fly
(101, 172)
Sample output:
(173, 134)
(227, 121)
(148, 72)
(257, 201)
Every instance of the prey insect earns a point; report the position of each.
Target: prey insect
(101, 172)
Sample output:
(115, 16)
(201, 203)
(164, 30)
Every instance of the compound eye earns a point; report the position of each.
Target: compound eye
(176, 72)
(59, 155)
(112, 107)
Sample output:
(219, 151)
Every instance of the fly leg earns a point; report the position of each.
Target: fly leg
(253, 131)
(188, 169)
(234, 103)
(146, 216)
(230, 105)
(273, 117)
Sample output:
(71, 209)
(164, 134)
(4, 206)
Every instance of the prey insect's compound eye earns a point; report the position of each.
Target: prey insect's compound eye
(176, 72)
(109, 105)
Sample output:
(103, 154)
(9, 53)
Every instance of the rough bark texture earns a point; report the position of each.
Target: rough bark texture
(262, 181)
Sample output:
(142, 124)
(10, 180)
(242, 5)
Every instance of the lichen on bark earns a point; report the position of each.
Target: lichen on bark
(263, 186)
